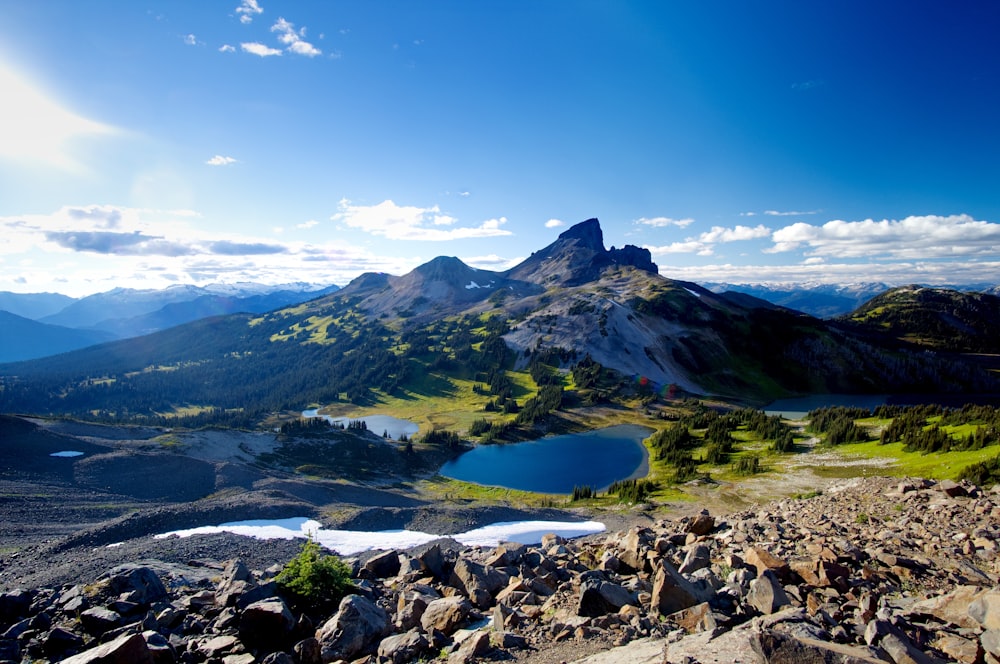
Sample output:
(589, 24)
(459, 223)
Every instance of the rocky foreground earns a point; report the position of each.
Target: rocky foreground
(873, 570)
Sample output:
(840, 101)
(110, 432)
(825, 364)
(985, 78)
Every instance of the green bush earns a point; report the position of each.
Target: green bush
(313, 579)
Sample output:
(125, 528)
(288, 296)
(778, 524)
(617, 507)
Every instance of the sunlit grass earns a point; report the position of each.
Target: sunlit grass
(936, 465)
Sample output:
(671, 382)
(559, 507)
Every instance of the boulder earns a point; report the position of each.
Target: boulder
(356, 627)
(766, 594)
(267, 623)
(599, 596)
(406, 647)
(985, 609)
(701, 524)
(99, 620)
(127, 649)
(382, 565)
(671, 591)
(445, 614)
(141, 583)
(479, 582)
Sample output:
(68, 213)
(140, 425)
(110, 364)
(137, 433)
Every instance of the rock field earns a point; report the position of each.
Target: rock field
(871, 570)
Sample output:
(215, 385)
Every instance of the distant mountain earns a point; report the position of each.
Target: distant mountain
(34, 305)
(570, 306)
(24, 339)
(820, 300)
(110, 310)
(938, 318)
(203, 306)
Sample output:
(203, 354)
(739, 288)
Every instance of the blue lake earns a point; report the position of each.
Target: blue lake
(557, 464)
(377, 424)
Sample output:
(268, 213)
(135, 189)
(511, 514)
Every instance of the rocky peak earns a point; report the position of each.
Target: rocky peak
(578, 256)
(588, 233)
(444, 268)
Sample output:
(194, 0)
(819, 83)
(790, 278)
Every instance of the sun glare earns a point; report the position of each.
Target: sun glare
(34, 127)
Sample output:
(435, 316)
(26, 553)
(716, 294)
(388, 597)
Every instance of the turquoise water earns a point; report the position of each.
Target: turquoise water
(557, 464)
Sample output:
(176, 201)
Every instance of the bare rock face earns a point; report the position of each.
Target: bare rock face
(356, 627)
(266, 623)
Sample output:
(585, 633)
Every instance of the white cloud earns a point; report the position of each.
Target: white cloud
(407, 222)
(219, 160)
(227, 48)
(704, 244)
(305, 225)
(256, 48)
(912, 238)
(36, 128)
(737, 234)
(293, 40)
(554, 223)
(660, 222)
(247, 10)
(689, 246)
(190, 40)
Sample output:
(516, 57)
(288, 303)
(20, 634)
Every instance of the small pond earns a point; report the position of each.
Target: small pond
(377, 424)
(559, 463)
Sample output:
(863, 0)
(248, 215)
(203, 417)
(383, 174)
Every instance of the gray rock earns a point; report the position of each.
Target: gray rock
(671, 591)
(382, 565)
(266, 623)
(985, 609)
(141, 583)
(699, 556)
(599, 597)
(99, 620)
(778, 648)
(356, 627)
(128, 649)
(766, 594)
(445, 614)
(405, 647)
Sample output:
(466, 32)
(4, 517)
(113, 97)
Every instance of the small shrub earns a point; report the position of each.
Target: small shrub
(313, 579)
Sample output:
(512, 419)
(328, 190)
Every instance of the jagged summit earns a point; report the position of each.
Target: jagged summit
(578, 256)
(588, 232)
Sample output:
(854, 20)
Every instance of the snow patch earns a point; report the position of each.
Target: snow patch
(692, 292)
(351, 542)
(66, 453)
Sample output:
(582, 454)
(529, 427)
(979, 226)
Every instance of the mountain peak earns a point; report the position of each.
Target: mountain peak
(588, 232)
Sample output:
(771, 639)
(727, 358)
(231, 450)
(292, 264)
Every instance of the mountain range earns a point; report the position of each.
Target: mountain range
(40, 324)
(573, 303)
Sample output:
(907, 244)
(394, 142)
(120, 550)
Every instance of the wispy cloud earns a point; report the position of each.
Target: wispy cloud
(227, 48)
(190, 40)
(407, 222)
(554, 223)
(661, 222)
(778, 213)
(294, 40)
(912, 238)
(220, 160)
(263, 50)
(247, 10)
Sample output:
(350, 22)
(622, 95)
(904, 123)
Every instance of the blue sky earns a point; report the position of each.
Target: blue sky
(150, 143)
